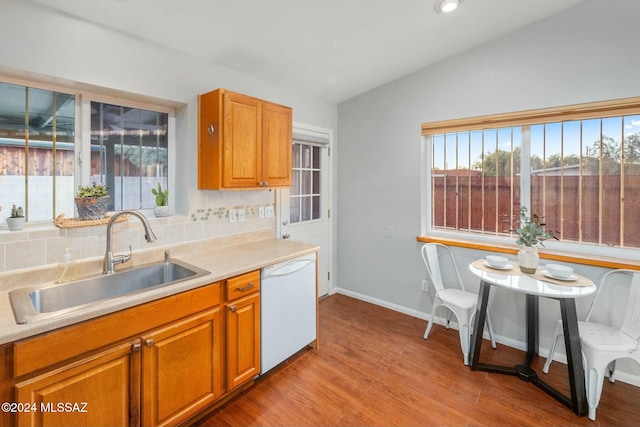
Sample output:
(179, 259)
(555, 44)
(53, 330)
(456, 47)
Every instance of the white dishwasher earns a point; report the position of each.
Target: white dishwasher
(287, 309)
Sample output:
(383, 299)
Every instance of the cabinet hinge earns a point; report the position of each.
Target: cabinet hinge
(329, 213)
(328, 275)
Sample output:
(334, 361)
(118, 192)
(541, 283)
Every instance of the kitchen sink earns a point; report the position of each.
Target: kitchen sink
(39, 303)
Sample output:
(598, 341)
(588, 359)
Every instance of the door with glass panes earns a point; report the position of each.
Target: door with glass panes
(304, 211)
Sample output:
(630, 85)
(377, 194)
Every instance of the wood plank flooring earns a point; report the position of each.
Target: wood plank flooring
(373, 368)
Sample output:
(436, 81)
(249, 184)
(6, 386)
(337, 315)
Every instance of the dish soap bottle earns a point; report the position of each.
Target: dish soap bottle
(67, 270)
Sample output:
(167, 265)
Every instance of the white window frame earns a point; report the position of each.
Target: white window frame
(525, 195)
(82, 140)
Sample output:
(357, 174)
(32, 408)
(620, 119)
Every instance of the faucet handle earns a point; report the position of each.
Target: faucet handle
(121, 259)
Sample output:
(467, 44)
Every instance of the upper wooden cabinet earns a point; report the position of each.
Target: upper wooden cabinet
(243, 142)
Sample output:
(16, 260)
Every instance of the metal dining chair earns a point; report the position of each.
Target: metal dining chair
(607, 334)
(439, 261)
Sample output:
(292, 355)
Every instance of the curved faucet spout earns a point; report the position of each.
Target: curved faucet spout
(109, 259)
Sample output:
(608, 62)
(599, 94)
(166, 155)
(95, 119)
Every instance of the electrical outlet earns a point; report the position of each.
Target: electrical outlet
(268, 211)
(425, 285)
(241, 217)
(261, 212)
(233, 215)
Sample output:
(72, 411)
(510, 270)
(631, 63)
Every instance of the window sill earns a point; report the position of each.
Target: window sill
(600, 261)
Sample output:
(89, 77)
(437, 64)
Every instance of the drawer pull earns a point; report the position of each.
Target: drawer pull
(244, 288)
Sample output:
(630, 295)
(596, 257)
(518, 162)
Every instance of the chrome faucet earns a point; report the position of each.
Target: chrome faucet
(110, 260)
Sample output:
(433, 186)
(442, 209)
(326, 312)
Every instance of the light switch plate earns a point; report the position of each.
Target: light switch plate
(233, 215)
(261, 212)
(241, 216)
(268, 211)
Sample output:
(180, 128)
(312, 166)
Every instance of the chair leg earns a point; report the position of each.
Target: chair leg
(612, 371)
(594, 377)
(552, 351)
(449, 320)
(433, 314)
(465, 335)
(490, 328)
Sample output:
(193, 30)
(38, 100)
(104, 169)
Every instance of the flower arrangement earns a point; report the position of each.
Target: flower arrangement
(530, 230)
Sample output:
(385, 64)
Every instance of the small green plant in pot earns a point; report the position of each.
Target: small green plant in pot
(92, 201)
(162, 201)
(16, 220)
(531, 234)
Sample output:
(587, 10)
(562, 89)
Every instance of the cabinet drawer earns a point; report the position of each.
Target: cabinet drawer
(245, 284)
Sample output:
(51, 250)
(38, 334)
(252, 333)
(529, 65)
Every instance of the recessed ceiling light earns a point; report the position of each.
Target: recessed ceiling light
(446, 6)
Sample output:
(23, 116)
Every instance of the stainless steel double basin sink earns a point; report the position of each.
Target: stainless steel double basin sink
(40, 303)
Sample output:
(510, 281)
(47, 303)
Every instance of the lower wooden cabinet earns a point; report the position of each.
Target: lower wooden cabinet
(243, 340)
(102, 389)
(158, 364)
(181, 369)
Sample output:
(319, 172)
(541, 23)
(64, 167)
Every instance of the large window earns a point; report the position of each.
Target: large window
(129, 153)
(37, 143)
(42, 155)
(581, 175)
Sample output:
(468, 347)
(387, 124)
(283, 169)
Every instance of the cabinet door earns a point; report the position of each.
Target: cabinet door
(181, 369)
(276, 145)
(242, 139)
(103, 389)
(243, 340)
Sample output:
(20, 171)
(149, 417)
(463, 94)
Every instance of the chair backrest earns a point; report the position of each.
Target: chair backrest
(629, 300)
(433, 255)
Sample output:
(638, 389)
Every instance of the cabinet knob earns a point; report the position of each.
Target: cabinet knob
(232, 308)
(149, 342)
(286, 235)
(211, 129)
(136, 347)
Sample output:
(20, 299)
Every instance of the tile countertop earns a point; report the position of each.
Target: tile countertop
(221, 262)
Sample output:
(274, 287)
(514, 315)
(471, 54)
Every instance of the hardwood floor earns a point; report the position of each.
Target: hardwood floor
(373, 368)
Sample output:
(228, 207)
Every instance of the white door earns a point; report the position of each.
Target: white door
(304, 210)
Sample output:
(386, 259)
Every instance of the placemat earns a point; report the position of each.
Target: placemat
(580, 281)
(515, 271)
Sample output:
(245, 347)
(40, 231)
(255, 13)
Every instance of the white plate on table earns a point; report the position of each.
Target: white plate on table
(567, 279)
(506, 267)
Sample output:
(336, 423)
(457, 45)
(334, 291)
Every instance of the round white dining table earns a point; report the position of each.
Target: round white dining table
(535, 286)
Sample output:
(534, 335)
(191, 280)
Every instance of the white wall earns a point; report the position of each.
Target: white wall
(588, 53)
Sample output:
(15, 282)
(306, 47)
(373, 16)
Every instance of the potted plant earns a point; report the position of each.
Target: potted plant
(531, 234)
(92, 201)
(16, 220)
(162, 200)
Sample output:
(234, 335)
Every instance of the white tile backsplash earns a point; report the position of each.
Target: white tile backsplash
(208, 218)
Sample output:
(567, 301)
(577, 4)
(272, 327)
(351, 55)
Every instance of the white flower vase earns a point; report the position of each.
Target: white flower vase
(528, 259)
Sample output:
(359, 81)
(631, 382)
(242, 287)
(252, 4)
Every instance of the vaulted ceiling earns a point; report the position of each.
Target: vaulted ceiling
(332, 49)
